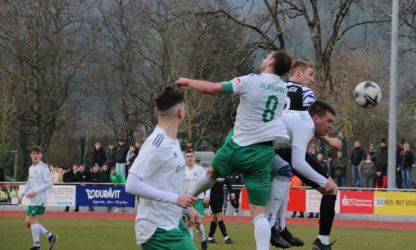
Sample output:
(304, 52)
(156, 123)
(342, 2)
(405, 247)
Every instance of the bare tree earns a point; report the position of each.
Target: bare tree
(42, 45)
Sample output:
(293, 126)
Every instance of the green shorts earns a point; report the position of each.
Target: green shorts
(35, 210)
(199, 207)
(175, 239)
(253, 161)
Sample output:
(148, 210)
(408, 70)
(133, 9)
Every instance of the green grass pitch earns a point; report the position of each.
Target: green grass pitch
(91, 234)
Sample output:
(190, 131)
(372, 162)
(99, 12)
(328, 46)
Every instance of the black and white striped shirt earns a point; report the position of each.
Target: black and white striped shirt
(299, 97)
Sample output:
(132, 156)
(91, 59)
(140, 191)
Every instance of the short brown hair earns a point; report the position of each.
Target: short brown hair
(301, 64)
(320, 108)
(37, 149)
(283, 61)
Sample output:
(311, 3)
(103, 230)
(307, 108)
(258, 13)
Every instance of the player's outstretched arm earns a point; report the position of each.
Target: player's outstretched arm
(200, 85)
(135, 185)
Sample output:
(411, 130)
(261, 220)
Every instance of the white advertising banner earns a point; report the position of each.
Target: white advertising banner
(313, 201)
(58, 195)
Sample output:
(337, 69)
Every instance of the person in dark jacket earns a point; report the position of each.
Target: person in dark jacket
(407, 160)
(97, 176)
(368, 171)
(111, 155)
(120, 157)
(106, 171)
(68, 177)
(399, 178)
(98, 155)
(339, 167)
(357, 155)
(83, 175)
(380, 159)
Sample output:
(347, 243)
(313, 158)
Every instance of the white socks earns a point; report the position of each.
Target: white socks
(44, 231)
(324, 239)
(279, 188)
(191, 232)
(201, 232)
(35, 234)
(36, 230)
(282, 212)
(262, 232)
(202, 184)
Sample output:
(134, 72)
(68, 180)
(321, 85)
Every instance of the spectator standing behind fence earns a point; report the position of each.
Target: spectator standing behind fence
(131, 155)
(83, 175)
(56, 174)
(68, 177)
(120, 157)
(407, 159)
(98, 155)
(97, 176)
(357, 155)
(380, 159)
(399, 178)
(368, 171)
(111, 155)
(339, 167)
(106, 171)
(115, 178)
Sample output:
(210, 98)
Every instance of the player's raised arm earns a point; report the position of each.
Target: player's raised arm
(200, 85)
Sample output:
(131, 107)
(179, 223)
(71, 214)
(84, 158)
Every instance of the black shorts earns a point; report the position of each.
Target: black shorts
(216, 202)
(286, 154)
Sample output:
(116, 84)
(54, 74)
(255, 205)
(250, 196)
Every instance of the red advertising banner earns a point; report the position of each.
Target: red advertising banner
(297, 200)
(356, 202)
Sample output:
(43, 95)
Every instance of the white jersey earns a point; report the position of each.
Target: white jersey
(301, 129)
(39, 175)
(262, 99)
(160, 164)
(191, 176)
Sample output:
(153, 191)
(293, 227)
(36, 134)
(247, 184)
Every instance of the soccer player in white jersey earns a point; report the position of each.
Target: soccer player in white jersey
(301, 127)
(157, 177)
(248, 149)
(36, 190)
(192, 173)
(299, 97)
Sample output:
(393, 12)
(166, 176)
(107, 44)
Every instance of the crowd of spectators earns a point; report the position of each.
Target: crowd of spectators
(368, 168)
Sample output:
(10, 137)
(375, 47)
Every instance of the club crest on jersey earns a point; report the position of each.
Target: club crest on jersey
(179, 168)
(236, 80)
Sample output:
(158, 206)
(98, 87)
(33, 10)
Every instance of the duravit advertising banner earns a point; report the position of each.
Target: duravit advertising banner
(103, 195)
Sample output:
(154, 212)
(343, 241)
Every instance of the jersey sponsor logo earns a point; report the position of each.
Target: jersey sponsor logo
(158, 140)
(292, 89)
(273, 87)
(110, 193)
(352, 202)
